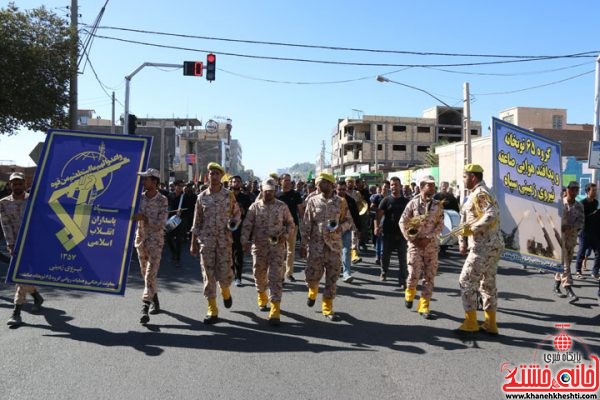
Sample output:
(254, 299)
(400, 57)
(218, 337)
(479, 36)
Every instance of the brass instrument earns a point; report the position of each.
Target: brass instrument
(413, 226)
(460, 230)
(273, 239)
(233, 224)
(361, 204)
(332, 225)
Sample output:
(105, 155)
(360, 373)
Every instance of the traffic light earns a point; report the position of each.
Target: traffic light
(211, 67)
(192, 68)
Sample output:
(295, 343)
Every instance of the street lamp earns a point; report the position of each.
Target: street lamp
(381, 78)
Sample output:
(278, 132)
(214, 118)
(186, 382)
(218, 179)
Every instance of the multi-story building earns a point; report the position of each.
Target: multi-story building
(552, 123)
(236, 166)
(401, 142)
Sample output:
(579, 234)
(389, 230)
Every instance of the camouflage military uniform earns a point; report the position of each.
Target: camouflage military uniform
(425, 259)
(149, 240)
(213, 211)
(11, 215)
(572, 223)
(324, 247)
(263, 221)
(485, 245)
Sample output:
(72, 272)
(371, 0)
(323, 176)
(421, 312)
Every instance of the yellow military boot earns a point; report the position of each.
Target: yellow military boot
(227, 299)
(212, 315)
(469, 324)
(312, 296)
(423, 308)
(262, 301)
(327, 309)
(274, 314)
(355, 257)
(409, 297)
(489, 325)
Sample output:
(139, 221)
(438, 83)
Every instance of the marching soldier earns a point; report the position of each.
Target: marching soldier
(421, 223)
(12, 209)
(325, 218)
(150, 238)
(482, 236)
(269, 223)
(217, 214)
(572, 222)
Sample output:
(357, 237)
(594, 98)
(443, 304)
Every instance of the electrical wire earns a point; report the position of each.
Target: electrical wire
(534, 87)
(102, 86)
(509, 73)
(338, 48)
(329, 62)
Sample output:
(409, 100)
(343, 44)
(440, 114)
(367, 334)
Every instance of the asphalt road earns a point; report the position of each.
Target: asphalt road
(91, 346)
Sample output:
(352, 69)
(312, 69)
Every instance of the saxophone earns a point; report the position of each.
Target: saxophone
(413, 226)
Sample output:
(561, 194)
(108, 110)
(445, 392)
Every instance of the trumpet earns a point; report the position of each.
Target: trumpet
(233, 224)
(332, 225)
(460, 230)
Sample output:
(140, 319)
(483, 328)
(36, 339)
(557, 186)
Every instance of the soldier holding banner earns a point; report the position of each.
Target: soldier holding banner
(481, 229)
(12, 209)
(217, 214)
(150, 238)
(572, 223)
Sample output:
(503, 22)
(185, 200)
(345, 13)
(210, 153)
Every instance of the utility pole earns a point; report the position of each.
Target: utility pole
(596, 136)
(74, 55)
(467, 123)
(112, 125)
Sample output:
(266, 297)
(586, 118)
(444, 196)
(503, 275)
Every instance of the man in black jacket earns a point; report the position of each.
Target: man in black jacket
(347, 236)
(589, 237)
(391, 208)
(244, 202)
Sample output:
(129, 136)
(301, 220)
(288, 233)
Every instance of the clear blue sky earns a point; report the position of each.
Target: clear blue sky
(279, 124)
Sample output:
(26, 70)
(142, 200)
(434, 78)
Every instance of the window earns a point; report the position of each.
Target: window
(474, 132)
(379, 147)
(422, 149)
(557, 122)
(379, 128)
(399, 147)
(399, 128)
(367, 135)
(423, 129)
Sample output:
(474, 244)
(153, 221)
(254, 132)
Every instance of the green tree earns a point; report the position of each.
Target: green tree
(34, 69)
(432, 159)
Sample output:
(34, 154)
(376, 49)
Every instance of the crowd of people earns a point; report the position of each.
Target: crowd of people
(332, 222)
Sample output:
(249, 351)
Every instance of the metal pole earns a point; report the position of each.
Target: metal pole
(126, 113)
(467, 123)
(596, 115)
(74, 70)
(162, 151)
(112, 120)
(376, 146)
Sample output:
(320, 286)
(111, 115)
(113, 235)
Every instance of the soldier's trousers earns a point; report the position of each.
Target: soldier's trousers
(149, 264)
(268, 269)
(216, 267)
(322, 262)
(479, 273)
(565, 278)
(422, 261)
(21, 293)
(291, 252)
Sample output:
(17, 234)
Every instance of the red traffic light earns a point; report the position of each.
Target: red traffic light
(211, 67)
(193, 68)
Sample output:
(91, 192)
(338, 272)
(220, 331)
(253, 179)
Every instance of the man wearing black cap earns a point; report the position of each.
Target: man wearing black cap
(12, 209)
(571, 224)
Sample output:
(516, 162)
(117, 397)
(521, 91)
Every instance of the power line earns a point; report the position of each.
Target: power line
(534, 87)
(305, 60)
(509, 73)
(338, 48)
(102, 86)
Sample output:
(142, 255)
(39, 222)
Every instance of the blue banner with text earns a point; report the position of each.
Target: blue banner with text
(527, 181)
(77, 231)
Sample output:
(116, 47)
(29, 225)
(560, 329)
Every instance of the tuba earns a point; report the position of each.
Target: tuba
(361, 204)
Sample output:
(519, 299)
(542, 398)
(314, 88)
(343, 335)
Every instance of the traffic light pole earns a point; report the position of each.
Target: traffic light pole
(128, 81)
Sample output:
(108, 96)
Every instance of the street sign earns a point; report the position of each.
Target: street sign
(211, 126)
(594, 155)
(36, 152)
